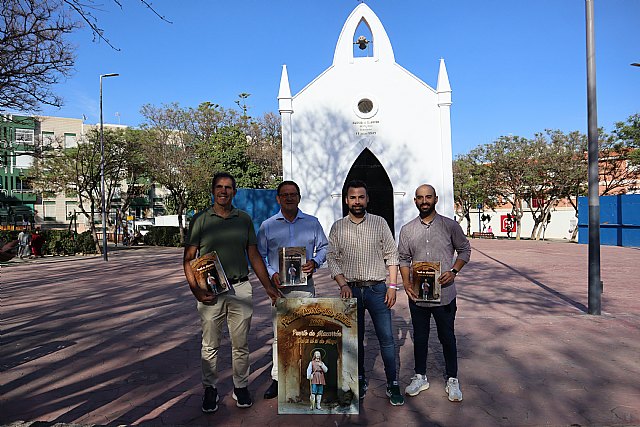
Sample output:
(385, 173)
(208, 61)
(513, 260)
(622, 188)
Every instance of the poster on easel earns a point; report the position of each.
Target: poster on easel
(317, 356)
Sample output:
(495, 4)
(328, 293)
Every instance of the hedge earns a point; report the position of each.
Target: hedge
(59, 242)
(163, 236)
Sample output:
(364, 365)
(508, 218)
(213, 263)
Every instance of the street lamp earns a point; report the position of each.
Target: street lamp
(102, 186)
(595, 278)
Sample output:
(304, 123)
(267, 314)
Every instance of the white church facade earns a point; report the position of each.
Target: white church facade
(368, 118)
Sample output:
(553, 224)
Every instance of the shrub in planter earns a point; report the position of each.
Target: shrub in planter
(163, 236)
(59, 242)
(85, 243)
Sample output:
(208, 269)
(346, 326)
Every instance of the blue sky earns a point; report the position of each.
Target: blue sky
(515, 66)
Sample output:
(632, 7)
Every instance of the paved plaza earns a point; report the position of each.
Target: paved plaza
(117, 343)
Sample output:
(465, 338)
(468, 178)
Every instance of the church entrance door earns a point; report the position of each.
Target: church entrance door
(368, 168)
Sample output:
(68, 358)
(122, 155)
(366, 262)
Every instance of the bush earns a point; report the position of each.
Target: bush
(163, 236)
(59, 242)
(85, 243)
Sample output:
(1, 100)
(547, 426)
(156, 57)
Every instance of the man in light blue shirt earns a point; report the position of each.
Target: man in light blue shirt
(288, 228)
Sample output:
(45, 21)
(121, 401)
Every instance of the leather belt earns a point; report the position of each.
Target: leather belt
(364, 284)
(241, 279)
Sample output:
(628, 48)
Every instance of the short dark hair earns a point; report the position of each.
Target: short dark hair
(220, 175)
(283, 183)
(356, 183)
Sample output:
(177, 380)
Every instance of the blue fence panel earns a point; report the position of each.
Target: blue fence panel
(619, 220)
(259, 204)
(630, 215)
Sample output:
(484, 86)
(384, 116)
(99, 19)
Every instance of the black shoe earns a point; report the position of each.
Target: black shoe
(210, 399)
(272, 391)
(242, 397)
(363, 386)
(394, 395)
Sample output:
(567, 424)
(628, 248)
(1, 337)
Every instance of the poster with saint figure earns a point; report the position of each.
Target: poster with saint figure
(291, 259)
(425, 281)
(317, 356)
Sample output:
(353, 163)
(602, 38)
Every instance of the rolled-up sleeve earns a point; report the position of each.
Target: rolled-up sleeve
(389, 246)
(322, 245)
(404, 251)
(263, 248)
(460, 243)
(333, 253)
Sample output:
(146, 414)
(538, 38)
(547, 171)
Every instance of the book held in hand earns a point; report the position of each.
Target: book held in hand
(209, 273)
(291, 260)
(425, 281)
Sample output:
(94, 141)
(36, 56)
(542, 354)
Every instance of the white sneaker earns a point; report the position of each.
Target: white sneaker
(453, 390)
(418, 383)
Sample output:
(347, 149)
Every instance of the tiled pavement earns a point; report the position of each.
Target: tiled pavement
(88, 342)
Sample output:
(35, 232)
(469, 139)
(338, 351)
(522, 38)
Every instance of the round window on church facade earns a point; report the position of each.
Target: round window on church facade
(365, 106)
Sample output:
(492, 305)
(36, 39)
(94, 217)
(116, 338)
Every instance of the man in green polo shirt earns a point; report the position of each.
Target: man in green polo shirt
(229, 232)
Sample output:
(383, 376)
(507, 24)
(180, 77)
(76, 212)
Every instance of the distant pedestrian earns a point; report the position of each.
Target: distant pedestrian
(37, 242)
(24, 243)
(509, 225)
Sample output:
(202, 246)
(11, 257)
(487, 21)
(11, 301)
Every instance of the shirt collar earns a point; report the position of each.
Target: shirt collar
(433, 221)
(234, 212)
(299, 215)
(366, 214)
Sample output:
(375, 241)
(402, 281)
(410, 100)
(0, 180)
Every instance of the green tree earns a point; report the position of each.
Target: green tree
(188, 145)
(619, 157)
(470, 187)
(76, 171)
(507, 169)
(557, 170)
(566, 172)
(135, 177)
(170, 154)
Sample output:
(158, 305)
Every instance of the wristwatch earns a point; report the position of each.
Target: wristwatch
(454, 271)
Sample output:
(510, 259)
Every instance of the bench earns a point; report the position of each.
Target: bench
(482, 235)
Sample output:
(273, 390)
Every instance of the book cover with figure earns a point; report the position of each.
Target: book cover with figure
(209, 273)
(425, 281)
(291, 260)
(317, 356)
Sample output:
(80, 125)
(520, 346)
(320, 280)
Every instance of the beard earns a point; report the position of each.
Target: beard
(357, 210)
(425, 210)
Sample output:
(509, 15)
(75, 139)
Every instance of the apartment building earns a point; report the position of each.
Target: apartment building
(24, 137)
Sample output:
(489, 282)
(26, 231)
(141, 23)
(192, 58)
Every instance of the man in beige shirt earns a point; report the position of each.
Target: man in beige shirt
(361, 251)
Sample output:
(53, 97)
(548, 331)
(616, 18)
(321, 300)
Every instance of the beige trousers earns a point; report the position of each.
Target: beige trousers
(236, 307)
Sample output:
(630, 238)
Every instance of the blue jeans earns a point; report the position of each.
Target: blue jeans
(372, 299)
(445, 316)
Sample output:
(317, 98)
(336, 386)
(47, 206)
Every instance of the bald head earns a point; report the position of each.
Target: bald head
(426, 187)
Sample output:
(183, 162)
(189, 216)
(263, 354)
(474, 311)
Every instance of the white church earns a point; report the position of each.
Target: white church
(366, 117)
